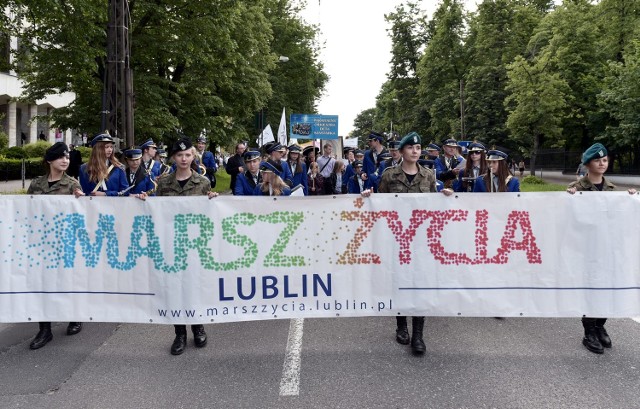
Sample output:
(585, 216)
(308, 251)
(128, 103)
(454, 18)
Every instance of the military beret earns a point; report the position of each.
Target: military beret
(133, 153)
(149, 143)
(251, 155)
(271, 166)
(103, 137)
(56, 151)
(181, 145)
(412, 138)
(496, 155)
(595, 151)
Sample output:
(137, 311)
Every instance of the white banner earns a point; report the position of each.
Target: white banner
(195, 260)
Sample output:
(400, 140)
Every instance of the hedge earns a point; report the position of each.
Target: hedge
(11, 169)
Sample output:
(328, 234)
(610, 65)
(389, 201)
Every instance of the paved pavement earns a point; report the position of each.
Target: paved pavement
(344, 363)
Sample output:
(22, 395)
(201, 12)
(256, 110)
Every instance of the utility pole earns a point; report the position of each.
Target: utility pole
(117, 101)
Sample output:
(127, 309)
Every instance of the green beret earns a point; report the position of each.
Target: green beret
(595, 151)
(412, 138)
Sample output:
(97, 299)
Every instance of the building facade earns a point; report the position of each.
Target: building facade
(20, 120)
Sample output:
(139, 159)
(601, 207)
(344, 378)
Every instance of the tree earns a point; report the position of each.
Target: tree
(441, 69)
(536, 105)
(362, 125)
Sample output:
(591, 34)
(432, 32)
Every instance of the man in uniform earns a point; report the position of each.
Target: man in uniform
(247, 181)
(448, 165)
(207, 160)
(276, 154)
(371, 155)
(152, 167)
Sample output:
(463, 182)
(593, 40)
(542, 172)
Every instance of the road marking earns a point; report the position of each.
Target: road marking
(636, 319)
(290, 382)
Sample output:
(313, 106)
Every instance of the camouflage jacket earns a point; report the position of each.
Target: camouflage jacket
(585, 184)
(197, 185)
(395, 181)
(65, 186)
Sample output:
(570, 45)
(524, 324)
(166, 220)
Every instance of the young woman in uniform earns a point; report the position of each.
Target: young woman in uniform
(54, 182)
(103, 174)
(272, 184)
(476, 165)
(498, 178)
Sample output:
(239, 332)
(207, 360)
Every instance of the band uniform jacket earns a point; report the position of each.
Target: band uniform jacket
(245, 184)
(395, 181)
(197, 185)
(65, 186)
(116, 182)
(583, 184)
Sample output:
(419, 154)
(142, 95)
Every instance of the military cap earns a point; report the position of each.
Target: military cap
(133, 153)
(375, 136)
(477, 147)
(433, 147)
(356, 163)
(181, 145)
(412, 138)
(162, 153)
(271, 166)
(251, 155)
(427, 163)
(149, 143)
(358, 152)
(496, 155)
(103, 137)
(450, 142)
(595, 151)
(56, 151)
(383, 156)
(347, 149)
(294, 148)
(271, 147)
(393, 145)
(201, 139)
(306, 151)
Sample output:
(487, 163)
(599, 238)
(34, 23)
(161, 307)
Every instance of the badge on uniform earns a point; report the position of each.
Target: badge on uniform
(183, 146)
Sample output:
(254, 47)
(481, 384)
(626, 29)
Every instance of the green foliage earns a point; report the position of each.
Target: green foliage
(547, 187)
(533, 180)
(85, 152)
(36, 149)
(223, 179)
(15, 152)
(11, 169)
(4, 138)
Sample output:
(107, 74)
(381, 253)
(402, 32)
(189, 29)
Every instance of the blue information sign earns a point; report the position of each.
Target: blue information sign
(309, 126)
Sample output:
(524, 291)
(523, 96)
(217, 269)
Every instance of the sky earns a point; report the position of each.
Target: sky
(356, 53)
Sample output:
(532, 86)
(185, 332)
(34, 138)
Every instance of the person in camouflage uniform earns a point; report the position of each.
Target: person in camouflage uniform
(185, 181)
(54, 182)
(596, 159)
(409, 177)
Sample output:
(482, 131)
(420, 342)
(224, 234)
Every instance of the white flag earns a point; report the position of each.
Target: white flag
(282, 130)
(266, 136)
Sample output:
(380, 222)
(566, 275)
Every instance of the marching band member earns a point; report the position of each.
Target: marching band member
(297, 168)
(447, 165)
(161, 158)
(409, 177)
(149, 150)
(272, 184)
(185, 181)
(315, 181)
(54, 182)
(138, 177)
(596, 159)
(360, 181)
(498, 178)
(103, 174)
(246, 182)
(206, 159)
(376, 147)
(276, 154)
(475, 166)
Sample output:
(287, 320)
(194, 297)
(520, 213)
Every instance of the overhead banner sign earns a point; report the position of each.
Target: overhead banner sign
(195, 260)
(308, 126)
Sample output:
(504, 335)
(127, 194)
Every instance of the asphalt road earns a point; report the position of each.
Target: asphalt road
(344, 363)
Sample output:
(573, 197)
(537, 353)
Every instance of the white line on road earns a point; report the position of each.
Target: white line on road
(290, 382)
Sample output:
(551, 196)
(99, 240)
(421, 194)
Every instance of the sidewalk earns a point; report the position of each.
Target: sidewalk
(13, 186)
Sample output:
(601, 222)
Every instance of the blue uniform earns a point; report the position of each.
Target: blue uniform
(115, 182)
(353, 186)
(299, 178)
(444, 171)
(258, 191)
(141, 182)
(209, 161)
(369, 163)
(153, 167)
(513, 185)
(245, 184)
(285, 175)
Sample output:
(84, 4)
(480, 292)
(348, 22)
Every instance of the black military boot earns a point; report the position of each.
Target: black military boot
(73, 328)
(417, 343)
(402, 333)
(603, 337)
(199, 335)
(43, 336)
(180, 342)
(591, 341)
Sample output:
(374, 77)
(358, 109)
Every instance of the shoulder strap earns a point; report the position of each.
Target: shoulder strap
(101, 182)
